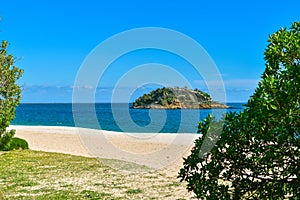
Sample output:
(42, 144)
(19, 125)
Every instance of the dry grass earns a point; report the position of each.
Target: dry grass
(39, 175)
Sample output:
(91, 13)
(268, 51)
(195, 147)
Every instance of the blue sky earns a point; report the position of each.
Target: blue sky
(51, 39)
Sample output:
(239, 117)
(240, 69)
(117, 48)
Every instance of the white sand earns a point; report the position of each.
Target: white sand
(159, 151)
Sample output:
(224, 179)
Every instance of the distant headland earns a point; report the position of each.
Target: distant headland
(176, 98)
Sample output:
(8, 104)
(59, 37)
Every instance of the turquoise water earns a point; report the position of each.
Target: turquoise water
(62, 115)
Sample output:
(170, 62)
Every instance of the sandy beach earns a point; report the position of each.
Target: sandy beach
(157, 151)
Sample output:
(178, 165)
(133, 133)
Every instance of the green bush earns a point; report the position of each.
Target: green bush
(10, 93)
(257, 154)
(16, 144)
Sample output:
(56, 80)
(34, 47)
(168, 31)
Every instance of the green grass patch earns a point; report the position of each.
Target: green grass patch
(134, 191)
(38, 175)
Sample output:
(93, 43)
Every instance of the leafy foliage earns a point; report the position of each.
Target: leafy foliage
(10, 94)
(16, 144)
(257, 155)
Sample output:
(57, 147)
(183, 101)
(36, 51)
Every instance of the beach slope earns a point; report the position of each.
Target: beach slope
(157, 151)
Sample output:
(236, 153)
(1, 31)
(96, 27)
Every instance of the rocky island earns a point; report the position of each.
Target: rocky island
(176, 98)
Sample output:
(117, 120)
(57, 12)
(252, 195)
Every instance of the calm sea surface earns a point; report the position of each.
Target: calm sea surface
(120, 118)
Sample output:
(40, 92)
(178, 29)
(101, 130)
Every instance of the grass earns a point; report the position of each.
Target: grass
(134, 191)
(37, 175)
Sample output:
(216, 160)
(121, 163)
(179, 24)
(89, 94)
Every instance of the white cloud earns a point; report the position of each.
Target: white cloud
(230, 84)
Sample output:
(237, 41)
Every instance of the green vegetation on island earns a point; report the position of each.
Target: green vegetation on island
(176, 98)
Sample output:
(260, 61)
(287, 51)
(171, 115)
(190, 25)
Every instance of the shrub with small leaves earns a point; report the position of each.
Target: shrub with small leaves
(10, 94)
(257, 154)
(16, 144)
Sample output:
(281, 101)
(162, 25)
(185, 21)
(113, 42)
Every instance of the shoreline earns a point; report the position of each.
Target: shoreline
(154, 150)
(21, 126)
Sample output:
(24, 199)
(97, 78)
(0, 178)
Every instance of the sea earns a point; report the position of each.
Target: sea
(116, 117)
